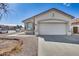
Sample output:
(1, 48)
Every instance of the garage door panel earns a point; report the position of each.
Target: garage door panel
(52, 29)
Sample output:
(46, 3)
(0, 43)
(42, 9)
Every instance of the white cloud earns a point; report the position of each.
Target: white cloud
(67, 4)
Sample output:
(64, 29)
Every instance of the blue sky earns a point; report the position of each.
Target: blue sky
(21, 11)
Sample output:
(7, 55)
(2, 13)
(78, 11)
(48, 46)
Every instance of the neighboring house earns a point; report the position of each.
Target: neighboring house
(75, 25)
(50, 22)
(3, 27)
(7, 27)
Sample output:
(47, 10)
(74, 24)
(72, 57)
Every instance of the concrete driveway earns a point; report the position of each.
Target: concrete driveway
(47, 48)
(62, 38)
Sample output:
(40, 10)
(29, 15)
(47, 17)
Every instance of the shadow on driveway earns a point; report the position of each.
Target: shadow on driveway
(61, 38)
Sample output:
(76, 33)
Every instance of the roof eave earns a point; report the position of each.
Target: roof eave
(49, 10)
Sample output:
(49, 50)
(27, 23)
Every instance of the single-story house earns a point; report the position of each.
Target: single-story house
(50, 22)
(75, 26)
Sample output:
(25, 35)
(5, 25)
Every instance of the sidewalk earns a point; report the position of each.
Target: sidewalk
(17, 33)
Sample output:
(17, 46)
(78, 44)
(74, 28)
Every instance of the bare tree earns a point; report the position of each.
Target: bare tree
(3, 9)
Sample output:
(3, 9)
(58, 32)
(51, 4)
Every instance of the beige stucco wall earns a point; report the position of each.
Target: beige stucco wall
(49, 15)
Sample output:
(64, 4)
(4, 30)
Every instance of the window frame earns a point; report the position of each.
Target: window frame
(29, 24)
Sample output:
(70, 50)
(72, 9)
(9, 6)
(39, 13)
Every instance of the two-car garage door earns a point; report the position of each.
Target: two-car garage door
(52, 29)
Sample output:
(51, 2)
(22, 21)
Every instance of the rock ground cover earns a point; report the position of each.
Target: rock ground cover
(8, 46)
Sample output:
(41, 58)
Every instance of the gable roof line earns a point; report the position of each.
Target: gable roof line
(49, 10)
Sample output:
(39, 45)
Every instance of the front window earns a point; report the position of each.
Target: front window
(29, 26)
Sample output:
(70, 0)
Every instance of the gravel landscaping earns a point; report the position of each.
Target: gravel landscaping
(29, 47)
(9, 46)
